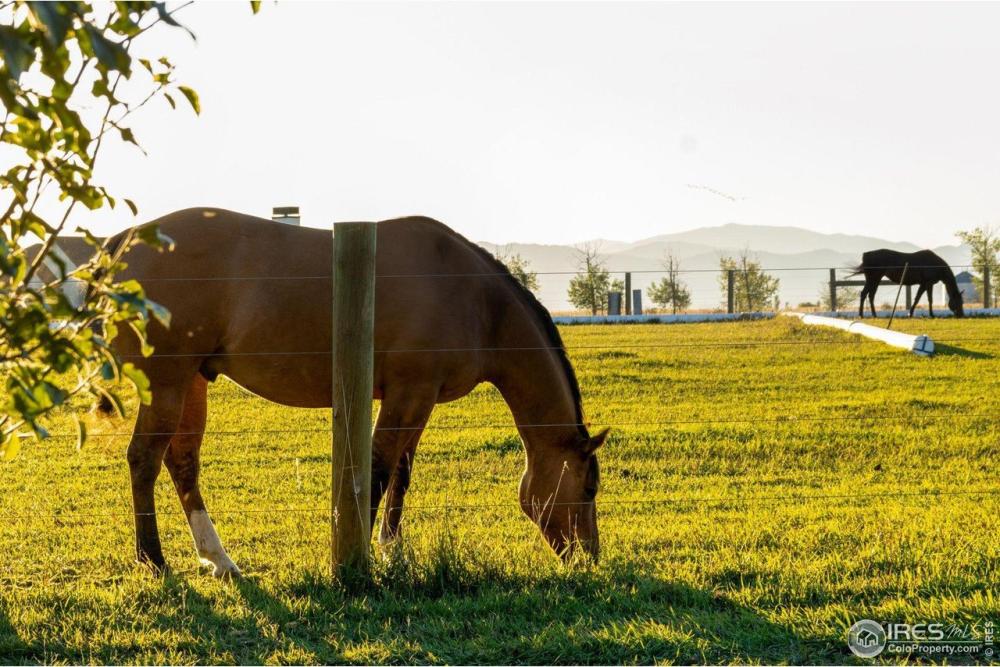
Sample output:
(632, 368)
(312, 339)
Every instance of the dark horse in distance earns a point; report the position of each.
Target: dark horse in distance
(922, 268)
(250, 299)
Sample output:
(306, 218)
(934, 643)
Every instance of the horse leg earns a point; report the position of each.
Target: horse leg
(916, 300)
(392, 517)
(397, 431)
(864, 293)
(930, 300)
(871, 296)
(183, 461)
(154, 426)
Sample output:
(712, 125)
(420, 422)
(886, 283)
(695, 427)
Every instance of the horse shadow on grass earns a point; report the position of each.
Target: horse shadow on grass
(448, 611)
(12, 648)
(243, 624)
(583, 617)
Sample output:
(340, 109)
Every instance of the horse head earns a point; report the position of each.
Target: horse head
(558, 492)
(955, 304)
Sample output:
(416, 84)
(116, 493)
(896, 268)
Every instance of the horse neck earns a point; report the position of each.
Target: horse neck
(535, 385)
(950, 284)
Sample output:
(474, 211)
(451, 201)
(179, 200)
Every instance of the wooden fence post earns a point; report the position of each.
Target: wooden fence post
(987, 288)
(353, 370)
(730, 291)
(628, 293)
(833, 290)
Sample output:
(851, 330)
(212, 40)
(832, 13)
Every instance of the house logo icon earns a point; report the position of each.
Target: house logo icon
(866, 639)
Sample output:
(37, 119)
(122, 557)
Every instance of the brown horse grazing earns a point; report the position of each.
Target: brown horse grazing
(250, 299)
(923, 268)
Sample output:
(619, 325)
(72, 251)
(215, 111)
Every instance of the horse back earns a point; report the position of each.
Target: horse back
(252, 299)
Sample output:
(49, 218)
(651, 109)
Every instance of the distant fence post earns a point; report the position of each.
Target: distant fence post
(909, 298)
(637, 302)
(353, 370)
(731, 291)
(628, 291)
(833, 290)
(987, 288)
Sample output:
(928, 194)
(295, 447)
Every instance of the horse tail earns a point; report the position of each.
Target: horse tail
(104, 407)
(855, 270)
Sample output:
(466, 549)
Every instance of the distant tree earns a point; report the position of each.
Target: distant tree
(588, 289)
(984, 242)
(754, 289)
(518, 266)
(670, 292)
(845, 295)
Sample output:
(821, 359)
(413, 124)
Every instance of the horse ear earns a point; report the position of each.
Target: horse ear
(596, 441)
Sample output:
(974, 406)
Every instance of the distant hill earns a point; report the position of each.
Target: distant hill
(780, 249)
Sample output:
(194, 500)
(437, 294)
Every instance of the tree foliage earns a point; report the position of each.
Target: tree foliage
(984, 242)
(670, 292)
(754, 290)
(847, 297)
(62, 90)
(519, 267)
(588, 289)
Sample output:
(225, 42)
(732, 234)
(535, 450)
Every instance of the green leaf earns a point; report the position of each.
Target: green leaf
(151, 235)
(132, 206)
(12, 448)
(139, 380)
(254, 6)
(192, 98)
(126, 133)
(161, 314)
(55, 16)
(18, 53)
(165, 16)
(110, 54)
(170, 100)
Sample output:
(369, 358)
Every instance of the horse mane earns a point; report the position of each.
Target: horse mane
(542, 315)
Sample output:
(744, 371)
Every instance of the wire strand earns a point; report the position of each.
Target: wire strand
(501, 274)
(810, 497)
(784, 419)
(543, 348)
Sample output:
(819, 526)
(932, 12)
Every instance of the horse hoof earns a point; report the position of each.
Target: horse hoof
(389, 541)
(227, 572)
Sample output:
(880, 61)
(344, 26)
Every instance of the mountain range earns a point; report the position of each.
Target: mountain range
(800, 258)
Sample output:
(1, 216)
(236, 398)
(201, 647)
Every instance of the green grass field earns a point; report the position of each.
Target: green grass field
(781, 518)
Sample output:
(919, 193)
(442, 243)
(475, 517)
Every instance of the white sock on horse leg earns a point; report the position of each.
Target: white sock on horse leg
(209, 547)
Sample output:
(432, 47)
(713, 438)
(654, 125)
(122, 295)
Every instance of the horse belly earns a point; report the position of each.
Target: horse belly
(296, 380)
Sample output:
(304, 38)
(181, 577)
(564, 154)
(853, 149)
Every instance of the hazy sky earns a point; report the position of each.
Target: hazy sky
(559, 122)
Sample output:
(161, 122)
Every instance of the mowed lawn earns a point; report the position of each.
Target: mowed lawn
(766, 485)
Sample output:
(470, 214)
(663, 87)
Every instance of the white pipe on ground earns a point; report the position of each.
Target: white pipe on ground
(921, 345)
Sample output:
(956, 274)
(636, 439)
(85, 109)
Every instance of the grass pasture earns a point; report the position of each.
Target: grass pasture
(780, 517)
